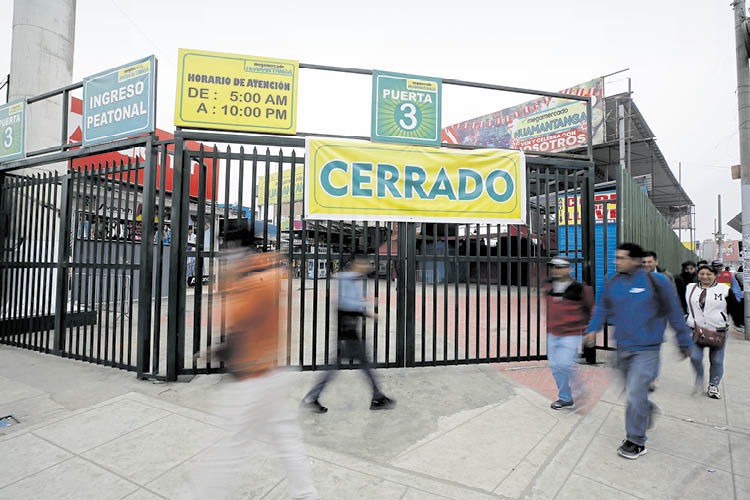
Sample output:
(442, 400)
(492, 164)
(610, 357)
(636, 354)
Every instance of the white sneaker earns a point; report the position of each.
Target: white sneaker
(713, 392)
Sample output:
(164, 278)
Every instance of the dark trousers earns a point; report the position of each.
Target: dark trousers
(351, 347)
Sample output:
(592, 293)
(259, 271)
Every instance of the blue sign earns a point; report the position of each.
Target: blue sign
(119, 102)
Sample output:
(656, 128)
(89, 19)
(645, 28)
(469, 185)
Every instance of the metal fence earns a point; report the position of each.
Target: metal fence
(641, 222)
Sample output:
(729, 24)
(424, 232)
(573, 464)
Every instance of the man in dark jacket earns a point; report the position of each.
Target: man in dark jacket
(681, 281)
(569, 305)
(637, 301)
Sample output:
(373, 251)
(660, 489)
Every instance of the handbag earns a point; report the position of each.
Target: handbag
(702, 336)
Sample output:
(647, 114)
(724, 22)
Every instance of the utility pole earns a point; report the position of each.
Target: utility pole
(743, 110)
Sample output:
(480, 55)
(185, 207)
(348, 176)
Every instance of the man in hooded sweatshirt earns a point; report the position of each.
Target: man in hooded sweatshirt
(636, 301)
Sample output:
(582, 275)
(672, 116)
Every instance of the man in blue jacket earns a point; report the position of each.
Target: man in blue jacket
(636, 302)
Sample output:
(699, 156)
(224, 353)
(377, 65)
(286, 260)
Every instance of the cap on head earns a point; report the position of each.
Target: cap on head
(560, 262)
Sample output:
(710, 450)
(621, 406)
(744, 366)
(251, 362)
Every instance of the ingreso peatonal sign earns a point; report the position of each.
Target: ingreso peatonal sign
(119, 102)
(236, 92)
(358, 180)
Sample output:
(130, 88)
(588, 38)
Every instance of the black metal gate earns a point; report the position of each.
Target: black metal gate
(441, 293)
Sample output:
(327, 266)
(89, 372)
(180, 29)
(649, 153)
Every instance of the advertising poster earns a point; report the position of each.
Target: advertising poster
(236, 92)
(545, 124)
(358, 180)
(286, 186)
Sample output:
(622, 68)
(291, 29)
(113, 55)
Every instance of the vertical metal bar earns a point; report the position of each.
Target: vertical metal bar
(488, 293)
(499, 287)
(303, 296)
(99, 243)
(446, 263)
(509, 289)
(578, 194)
(241, 183)
(109, 243)
(240, 191)
(119, 271)
(199, 232)
(528, 264)
(537, 261)
(456, 274)
(15, 291)
(410, 290)
(477, 314)
(212, 253)
(37, 271)
(518, 291)
(77, 255)
(253, 187)
(90, 262)
(290, 268)
(352, 252)
(63, 249)
(389, 225)
(366, 280)
(376, 332)
(435, 285)
(146, 271)
(51, 220)
(467, 302)
(27, 295)
(134, 186)
(327, 344)
(64, 131)
(280, 168)
(162, 187)
(315, 297)
(423, 270)
(341, 268)
(265, 199)
(6, 210)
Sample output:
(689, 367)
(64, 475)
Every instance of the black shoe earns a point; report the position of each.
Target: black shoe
(630, 450)
(313, 406)
(382, 403)
(560, 404)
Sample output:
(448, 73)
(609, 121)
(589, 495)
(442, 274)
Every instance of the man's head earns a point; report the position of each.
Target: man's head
(688, 267)
(650, 261)
(717, 265)
(559, 268)
(628, 257)
(359, 264)
(701, 263)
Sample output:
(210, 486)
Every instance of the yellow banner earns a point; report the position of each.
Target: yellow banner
(236, 92)
(286, 186)
(358, 180)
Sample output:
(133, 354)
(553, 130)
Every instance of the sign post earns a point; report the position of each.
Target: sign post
(236, 92)
(406, 109)
(12, 131)
(119, 102)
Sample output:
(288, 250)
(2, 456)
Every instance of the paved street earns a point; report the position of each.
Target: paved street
(468, 432)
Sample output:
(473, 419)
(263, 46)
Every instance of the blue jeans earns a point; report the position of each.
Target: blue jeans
(715, 356)
(561, 352)
(638, 369)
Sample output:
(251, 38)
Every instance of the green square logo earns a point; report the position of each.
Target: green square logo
(406, 109)
(12, 130)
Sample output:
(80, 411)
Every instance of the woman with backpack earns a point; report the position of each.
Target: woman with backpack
(708, 314)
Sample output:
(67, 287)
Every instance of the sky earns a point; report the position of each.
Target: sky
(680, 55)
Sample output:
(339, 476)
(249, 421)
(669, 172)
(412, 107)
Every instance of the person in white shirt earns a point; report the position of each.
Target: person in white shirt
(707, 303)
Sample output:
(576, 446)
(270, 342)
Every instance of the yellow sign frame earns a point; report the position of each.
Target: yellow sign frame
(222, 91)
(358, 180)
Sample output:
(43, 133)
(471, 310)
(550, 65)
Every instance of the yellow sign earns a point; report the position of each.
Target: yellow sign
(357, 180)
(286, 186)
(235, 92)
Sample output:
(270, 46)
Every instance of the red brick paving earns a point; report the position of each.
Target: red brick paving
(536, 376)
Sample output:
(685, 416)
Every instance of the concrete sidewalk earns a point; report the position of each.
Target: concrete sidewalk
(465, 432)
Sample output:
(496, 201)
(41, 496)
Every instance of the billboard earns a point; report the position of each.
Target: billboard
(359, 180)
(546, 124)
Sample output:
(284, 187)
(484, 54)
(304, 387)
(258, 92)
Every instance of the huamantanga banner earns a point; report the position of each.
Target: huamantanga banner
(359, 180)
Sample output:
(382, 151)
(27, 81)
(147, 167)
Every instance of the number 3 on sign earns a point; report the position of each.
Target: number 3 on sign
(8, 139)
(410, 114)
